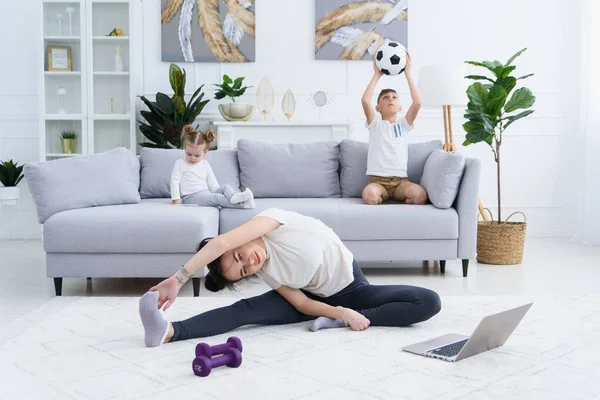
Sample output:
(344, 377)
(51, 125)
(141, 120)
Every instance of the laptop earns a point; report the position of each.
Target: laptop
(493, 331)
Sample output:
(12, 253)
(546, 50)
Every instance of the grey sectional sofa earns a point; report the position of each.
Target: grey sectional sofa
(109, 215)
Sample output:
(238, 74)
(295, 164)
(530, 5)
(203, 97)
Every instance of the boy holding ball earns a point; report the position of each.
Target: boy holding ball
(388, 143)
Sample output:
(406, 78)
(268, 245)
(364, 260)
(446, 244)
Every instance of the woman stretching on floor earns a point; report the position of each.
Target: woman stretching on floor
(311, 271)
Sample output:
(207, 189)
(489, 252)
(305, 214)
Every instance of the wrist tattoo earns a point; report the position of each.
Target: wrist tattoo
(181, 282)
(185, 272)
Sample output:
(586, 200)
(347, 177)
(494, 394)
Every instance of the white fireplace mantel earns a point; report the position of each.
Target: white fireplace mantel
(228, 133)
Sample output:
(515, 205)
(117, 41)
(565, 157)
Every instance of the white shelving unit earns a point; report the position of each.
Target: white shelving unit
(100, 102)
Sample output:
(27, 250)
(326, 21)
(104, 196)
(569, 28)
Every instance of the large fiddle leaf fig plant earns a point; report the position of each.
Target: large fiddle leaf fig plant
(166, 116)
(493, 107)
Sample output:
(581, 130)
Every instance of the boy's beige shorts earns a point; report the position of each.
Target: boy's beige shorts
(391, 184)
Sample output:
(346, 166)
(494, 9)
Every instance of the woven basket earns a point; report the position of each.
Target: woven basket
(501, 244)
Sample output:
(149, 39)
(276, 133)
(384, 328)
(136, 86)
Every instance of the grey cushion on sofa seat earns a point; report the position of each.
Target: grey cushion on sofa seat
(157, 164)
(351, 219)
(147, 227)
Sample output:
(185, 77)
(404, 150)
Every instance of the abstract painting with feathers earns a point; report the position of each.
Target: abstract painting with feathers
(353, 30)
(208, 30)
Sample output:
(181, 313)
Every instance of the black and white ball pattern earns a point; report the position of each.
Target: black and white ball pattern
(391, 58)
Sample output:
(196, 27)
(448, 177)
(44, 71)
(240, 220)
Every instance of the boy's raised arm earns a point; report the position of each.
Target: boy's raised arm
(368, 95)
(414, 108)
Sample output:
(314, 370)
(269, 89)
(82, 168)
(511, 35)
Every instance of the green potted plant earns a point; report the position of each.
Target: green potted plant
(490, 111)
(166, 116)
(233, 89)
(11, 174)
(68, 140)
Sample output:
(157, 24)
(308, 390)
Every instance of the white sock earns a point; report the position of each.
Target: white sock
(327, 323)
(240, 197)
(249, 204)
(155, 326)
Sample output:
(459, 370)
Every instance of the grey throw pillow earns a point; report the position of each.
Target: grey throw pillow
(353, 157)
(157, 165)
(99, 180)
(442, 176)
(353, 174)
(289, 170)
(418, 153)
(225, 165)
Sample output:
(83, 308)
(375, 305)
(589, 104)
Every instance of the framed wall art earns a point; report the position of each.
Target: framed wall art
(353, 30)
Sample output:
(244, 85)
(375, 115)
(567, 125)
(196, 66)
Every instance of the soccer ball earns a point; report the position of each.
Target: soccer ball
(391, 58)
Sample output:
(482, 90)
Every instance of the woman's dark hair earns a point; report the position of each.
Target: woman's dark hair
(214, 280)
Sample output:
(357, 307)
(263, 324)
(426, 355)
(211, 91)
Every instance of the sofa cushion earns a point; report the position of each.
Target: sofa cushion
(146, 227)
(441, 177)
(353, 157)
(157, 165)
(289, 170)
(135, 168)
(351, 219)
(86, 181)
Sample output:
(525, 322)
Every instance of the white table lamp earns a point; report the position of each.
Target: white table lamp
(444, 85)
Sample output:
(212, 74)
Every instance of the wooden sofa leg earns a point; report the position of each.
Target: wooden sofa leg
(58, 286)
(465, 267)
(443, 266)
(196, 284)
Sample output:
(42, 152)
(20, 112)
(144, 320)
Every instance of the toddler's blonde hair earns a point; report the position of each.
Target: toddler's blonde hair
(191, 135)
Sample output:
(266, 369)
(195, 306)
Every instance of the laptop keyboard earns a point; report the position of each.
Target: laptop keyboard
(450, 350)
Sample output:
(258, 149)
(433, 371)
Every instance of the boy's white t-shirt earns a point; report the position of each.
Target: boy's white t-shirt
(304, 253)
(191, 178)
(388, 147)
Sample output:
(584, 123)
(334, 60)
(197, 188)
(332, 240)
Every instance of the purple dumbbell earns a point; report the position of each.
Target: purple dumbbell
(202, 366)
(206, 350)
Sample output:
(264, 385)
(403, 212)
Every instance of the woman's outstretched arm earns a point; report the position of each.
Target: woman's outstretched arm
(243, 234)
(308, 306)
(253, 229)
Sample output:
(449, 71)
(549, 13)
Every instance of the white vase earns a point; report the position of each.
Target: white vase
(9, 195)
(118, 61)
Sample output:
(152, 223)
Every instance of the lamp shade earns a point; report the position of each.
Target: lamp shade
(443, 84)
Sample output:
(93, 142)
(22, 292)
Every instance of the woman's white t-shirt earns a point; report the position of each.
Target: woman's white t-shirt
(304, 253)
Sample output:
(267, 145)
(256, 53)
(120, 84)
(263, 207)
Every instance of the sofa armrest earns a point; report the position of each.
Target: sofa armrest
(467, 208)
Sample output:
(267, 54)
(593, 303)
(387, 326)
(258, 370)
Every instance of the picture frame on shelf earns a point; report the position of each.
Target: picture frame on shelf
(59, 58)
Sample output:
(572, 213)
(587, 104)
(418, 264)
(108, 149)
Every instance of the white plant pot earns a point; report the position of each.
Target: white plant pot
(9, 194)
(236, 112)
(239, 110)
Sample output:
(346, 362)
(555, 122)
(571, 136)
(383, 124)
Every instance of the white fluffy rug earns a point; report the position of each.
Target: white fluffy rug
(92, 348)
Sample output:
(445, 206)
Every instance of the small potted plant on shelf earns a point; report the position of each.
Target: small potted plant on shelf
(68, 139)
(233, 89)
(11, 174)
(490, 111)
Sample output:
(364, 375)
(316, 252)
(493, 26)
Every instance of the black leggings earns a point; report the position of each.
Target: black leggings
(383, 305)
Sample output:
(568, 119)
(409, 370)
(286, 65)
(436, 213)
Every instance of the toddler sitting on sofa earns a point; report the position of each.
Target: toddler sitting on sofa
(193, 180)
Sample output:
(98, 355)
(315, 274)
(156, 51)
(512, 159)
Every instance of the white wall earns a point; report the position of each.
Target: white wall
(19, 37)
(538, 153)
